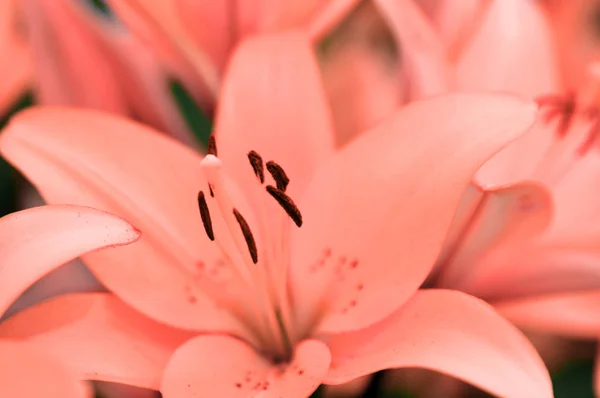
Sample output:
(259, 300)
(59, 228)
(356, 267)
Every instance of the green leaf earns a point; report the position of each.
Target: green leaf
(198, 123)
(574, 380)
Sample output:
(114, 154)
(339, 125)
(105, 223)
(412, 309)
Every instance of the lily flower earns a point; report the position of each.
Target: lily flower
(293, 264)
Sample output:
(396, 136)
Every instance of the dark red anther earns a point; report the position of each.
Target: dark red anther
(212, 145)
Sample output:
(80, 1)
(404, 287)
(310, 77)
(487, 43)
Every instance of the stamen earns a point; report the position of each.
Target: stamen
(212, 194)
(247, 235)
(278, 174)
(286, 203)
(205, 215)
(212, 145)
(257, 165)
(562, 107)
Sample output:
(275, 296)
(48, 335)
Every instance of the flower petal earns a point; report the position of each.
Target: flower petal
(221, 366)
(88, 158)
(98, 337)
(499, 217)
(39, 240)
(71, 69)
(27, 373)
(376, 217)
(511, 52)
(426, 66)
(571, 314)
(17, 67)
(362, 87)
(450, 332)
(273, 102)
(531, 268)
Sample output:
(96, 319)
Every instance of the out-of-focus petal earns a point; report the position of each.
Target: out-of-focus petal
(450, 332)
(70, 67)
(568, 314)
(423, 54)
(513, 51)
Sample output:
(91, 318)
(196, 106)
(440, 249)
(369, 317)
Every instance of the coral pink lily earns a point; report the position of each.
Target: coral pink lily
(295, 265)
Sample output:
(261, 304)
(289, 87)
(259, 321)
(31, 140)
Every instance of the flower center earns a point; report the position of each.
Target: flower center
(260, 269)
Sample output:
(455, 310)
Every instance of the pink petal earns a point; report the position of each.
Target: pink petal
(453, 20)
(88, 158)
(577, 220)
(141, 73)
(158, 25)
(449, 332)
(523, 159)
(71, 68)
(16, 68)
(376, 217)
(27, 373)
(511, 52)
(362, 88)
(273, 102)
(499, 217)
(569, 314)
(330, 13)
(221, 366)
(39, 240)
(211, 25)
(98, 337)
(426, 66)
(529, 269)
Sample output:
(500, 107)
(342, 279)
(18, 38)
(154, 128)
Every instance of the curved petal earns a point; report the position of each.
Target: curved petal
(106, 162)
(273, 102)
(424, 57)
(27, 373)
(450, 332)
(221, 366)
(568, 314)
(71, 69)
(98, 337)
(500, 217)
(36, 241)
(512, 52)
(376, 216)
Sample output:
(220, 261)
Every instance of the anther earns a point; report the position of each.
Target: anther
(286, 203)
(278, 174)
(212, 145)
(212, 194)
(205, 215)
(257, 165)
(250, 242)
